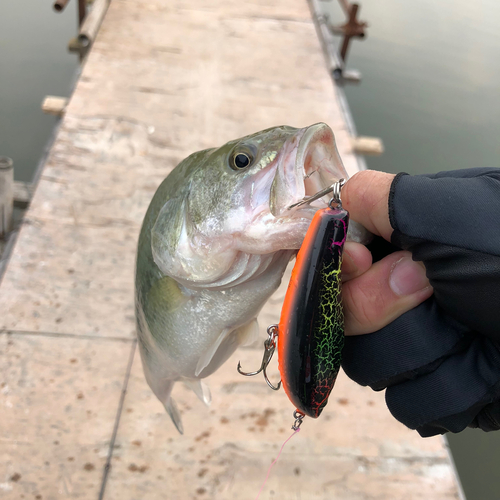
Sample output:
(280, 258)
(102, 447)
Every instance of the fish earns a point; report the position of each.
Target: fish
(214, 245)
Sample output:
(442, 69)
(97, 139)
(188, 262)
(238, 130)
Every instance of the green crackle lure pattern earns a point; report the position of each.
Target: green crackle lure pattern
(311, 327)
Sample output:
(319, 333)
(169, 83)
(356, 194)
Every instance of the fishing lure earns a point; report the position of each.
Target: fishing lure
(311, 327)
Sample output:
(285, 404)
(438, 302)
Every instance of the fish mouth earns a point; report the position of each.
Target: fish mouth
(311, 163)
(318, 160)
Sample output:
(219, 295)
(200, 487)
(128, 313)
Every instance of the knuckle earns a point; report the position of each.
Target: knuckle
(366, 307)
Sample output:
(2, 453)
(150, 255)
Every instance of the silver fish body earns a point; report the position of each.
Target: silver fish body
(214, 245)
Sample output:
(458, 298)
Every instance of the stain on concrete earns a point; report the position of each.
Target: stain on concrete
(138, 468)
(263, 420)
(202, 472)
(203, 435)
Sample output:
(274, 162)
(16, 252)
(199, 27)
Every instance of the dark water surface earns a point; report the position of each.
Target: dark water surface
(34, 62)
(431, 83)
(431, 91)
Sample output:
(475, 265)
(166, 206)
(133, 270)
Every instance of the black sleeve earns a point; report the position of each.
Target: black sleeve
(451, 222)
(440, 362)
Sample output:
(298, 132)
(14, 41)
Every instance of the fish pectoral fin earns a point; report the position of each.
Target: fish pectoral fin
(226, 343)
(201, 390)
(165, 296)
(173, 411)
(205, 359)
(249, 333)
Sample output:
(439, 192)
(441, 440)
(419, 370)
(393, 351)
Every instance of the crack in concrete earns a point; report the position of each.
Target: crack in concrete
(107, 467)
(65, 335)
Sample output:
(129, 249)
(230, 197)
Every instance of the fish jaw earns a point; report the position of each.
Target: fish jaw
(317, 165)
(319, 159)
(307, 163)
(313, 166)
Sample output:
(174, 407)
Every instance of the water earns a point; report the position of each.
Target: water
(34, 62)
(430, 83)
(430, 90)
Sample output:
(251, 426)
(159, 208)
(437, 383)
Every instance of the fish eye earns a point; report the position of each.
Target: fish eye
(241, 159)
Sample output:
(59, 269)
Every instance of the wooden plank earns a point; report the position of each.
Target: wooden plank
(23, 192)
(369, 146)
(53, 105)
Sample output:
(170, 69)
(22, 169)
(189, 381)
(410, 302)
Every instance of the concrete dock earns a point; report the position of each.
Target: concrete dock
(165, 79)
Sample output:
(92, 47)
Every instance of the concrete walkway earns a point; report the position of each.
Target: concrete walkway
(165, 79)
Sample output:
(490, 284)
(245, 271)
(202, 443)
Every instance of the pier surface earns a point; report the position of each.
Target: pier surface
(165, 79)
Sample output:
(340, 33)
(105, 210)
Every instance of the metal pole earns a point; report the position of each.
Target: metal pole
(82, 10)
(6, 194)
(90, 27)
(59, 5)
(347, 38)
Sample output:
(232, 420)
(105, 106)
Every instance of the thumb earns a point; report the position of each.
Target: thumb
(366, 197)
(390, 287)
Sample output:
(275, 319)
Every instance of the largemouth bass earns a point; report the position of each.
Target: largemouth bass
(214, 245)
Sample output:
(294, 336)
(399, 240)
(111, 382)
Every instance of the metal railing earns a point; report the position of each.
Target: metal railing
(59, 6)
(89, 21)
(352, 28)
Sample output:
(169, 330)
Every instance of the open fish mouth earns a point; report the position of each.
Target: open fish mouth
(310, 162)
(318, 160)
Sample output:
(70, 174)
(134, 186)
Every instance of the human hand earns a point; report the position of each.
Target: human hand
(440, 360)
(376, 294)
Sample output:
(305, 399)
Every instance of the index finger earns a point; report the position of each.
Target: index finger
(366, 197)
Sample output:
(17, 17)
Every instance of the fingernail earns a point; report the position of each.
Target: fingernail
(407, 277)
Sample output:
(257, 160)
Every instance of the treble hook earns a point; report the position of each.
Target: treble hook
(270, 346)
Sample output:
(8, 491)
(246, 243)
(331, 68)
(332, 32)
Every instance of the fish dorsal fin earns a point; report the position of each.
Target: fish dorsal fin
(225, 344)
